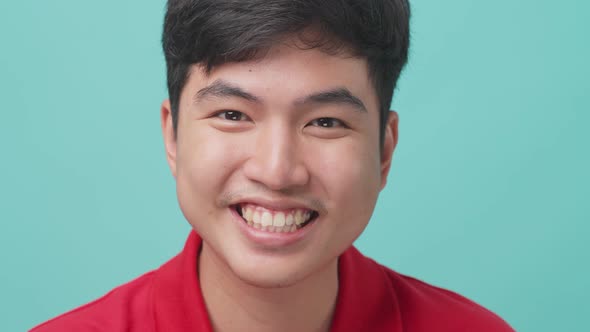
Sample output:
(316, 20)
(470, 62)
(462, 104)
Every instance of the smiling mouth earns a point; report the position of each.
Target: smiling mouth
(283, 221)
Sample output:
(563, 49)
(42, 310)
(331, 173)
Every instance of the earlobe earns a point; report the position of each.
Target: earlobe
(169, 135)
(389, 143)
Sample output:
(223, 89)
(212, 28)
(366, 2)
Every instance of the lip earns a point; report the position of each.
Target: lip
(269, 239)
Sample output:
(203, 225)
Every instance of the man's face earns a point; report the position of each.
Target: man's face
(277, 161)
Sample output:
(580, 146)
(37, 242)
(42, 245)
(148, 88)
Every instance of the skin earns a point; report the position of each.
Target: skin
(277, 150)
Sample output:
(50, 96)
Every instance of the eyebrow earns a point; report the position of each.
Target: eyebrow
(223, 89)
(333, 96)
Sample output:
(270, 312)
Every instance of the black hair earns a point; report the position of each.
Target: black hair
(214, 32)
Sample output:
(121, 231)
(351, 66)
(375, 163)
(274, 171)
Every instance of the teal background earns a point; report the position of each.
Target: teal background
(488, 195)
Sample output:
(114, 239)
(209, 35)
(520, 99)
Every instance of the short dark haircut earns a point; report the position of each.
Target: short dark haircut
(213, 32)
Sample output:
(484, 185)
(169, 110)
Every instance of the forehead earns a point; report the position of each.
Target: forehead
(287, 71)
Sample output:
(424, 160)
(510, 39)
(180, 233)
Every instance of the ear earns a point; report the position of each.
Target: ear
(169, 135)
(389, 144)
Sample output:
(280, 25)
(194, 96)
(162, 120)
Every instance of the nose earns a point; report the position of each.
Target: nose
(277, 161)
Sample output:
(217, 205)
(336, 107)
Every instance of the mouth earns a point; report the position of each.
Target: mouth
(275, 221)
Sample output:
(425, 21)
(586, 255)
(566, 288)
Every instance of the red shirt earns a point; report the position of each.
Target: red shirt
(371, 297)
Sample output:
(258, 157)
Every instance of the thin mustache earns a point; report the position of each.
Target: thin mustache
(230, 197)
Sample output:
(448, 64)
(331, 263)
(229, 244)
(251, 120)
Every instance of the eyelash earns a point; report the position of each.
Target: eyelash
(322, 122)
(319, 122)
(228, 115)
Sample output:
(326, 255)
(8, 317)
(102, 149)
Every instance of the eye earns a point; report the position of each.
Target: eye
(327, 123)
(232, 116)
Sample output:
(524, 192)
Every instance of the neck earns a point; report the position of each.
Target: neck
(232, 304)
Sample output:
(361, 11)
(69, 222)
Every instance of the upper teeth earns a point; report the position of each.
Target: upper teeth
(265, 217)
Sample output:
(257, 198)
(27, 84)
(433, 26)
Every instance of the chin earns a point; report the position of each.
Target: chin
(268, 276)
(268, 283)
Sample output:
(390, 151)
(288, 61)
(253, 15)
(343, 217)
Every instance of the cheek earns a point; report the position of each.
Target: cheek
(349, 180)
(350, 177)
(204, 163)
(206, 155)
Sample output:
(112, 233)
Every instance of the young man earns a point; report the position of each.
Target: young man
(279, 135)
